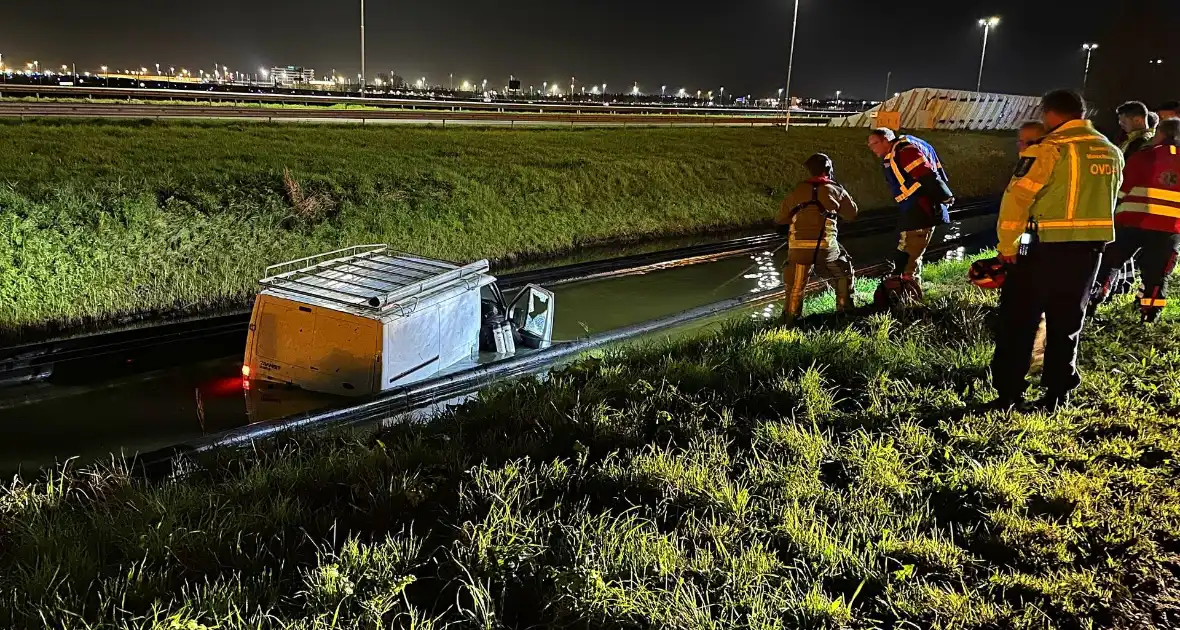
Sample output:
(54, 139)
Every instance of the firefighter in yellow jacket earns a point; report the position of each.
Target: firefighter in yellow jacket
(1055, 220)
(809, 217)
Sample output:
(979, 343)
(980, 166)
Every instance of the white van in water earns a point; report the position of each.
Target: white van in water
(363, 319)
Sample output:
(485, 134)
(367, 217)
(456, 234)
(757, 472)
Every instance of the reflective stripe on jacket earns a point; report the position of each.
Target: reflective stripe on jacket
(1068, 182)
(1150, 195)
(911, 159)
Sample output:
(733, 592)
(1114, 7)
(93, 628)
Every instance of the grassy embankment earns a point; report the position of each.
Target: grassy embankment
(752, 478)
(101, 221)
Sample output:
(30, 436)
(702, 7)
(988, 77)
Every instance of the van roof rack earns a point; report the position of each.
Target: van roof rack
(367, 279)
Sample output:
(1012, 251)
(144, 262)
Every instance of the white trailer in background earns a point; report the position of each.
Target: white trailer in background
(929, 108)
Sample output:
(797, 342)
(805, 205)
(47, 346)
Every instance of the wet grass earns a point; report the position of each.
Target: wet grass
(105, 221)
(828, 477)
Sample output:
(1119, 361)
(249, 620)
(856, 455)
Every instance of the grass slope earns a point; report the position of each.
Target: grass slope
(827, 477)
(105, 220)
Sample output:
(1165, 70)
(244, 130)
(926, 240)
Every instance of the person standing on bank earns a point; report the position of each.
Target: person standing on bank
(1133, 117)
(1029, 133)
(1056, 217)
(808, 216)
(1147, 221)
(1168, 110)
(918, 181)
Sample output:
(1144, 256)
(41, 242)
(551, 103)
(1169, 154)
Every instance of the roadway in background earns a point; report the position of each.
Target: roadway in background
(102, 102)
(33, 110)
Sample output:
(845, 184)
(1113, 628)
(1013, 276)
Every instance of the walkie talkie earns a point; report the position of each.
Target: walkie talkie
(1030, 237)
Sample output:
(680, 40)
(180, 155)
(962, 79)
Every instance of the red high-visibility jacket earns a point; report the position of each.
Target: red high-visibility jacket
(1150, 196)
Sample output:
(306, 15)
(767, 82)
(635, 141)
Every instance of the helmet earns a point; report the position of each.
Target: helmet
(988, 273)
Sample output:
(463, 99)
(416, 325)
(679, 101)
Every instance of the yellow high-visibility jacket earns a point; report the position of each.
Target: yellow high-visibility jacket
(1137, 141)
(1068, 182)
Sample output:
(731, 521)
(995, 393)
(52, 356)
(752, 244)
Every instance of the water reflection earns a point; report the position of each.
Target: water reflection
(765, 273)
(954, 232)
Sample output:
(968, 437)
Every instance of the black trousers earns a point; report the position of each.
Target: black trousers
(1054, 279)
(1156, 253)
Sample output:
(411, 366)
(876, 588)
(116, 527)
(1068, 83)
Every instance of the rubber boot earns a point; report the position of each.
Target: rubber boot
(843, 295)
(795, 278)
(1148, 314)
(1150, 304)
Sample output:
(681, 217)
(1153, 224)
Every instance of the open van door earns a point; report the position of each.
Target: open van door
(531, 313)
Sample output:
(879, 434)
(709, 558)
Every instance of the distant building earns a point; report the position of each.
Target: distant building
(291, 75)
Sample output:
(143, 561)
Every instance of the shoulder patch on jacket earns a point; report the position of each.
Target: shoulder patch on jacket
(1024, 166)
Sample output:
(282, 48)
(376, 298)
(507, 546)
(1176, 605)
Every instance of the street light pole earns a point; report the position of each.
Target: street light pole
(790, 67)
(988, 24)
(362, 47)
(1089, 48)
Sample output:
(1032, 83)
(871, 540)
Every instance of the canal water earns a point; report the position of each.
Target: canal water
(46, 423)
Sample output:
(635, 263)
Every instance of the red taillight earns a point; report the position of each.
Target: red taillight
(245, 371)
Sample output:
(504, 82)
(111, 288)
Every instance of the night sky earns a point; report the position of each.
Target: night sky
(846, 45)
